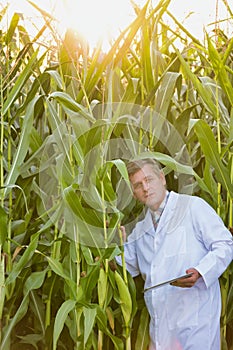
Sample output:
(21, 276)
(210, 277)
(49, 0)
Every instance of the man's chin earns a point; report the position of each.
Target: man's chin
(151, 204)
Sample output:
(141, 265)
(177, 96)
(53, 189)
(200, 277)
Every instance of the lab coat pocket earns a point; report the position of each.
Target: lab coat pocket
(182, 308)
(176, 242)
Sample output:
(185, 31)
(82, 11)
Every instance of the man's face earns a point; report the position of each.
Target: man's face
(148, 187)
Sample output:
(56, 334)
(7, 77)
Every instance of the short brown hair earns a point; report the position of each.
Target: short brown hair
(134, 166)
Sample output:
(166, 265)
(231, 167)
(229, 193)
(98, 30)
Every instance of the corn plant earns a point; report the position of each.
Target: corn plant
(67, 130)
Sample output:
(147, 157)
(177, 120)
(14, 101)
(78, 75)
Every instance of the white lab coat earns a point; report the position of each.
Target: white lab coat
(190, 235)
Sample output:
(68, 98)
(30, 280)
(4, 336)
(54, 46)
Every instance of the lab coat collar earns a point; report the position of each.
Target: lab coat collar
(165, 220)
(174, 212)
(148, 226)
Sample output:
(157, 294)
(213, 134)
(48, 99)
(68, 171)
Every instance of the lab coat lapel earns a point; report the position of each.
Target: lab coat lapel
(170, 217)
(148, 226)
(166, 222)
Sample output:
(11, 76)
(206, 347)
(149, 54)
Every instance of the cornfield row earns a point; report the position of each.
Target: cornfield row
(70, 118)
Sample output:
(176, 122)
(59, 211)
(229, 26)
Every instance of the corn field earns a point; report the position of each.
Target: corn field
(70, 119)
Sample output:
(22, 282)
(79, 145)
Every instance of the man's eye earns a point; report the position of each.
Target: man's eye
(137, 186)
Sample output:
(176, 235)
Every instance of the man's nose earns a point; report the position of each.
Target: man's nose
(145, 186)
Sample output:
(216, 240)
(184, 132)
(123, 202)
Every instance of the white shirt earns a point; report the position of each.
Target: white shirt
(189, 235)
(157, 214)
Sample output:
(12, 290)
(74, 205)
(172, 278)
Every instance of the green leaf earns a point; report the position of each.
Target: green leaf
(71, 106)
(89, 321)
(34, 281)
(85, 214)
(142, 340)
(125, 298)
(102, 287)
(86, 251)
(24, 259)
(32, 339)
(2, 284)
(60, 319)
(57, 268)
(209, 147)
(121, 167)
(146, 58)
(89, 282)
(102, 325)
(3, 226)
(204, 93)
(230, 304)
(210, 181)
(132, 31)
(12, 27)
(22, 147)
(166, 90)
(220, 70)
(56, 77)
(21, 80)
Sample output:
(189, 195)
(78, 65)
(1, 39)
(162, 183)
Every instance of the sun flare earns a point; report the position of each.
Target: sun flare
(102, 20)
(95, 20)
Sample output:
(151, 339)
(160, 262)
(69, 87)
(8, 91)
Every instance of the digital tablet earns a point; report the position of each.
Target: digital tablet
(168, 281)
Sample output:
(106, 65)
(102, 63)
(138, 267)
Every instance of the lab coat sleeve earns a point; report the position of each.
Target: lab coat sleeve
(217, 240)
(130, 258)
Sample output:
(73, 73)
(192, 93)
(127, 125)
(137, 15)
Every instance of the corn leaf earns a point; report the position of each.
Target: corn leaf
(23, 145)
(34, 281)
(60, 319)
(3, 225)
(210, 149)
(220, 71)
(89, 321)
(142, 340)
(23, 261)
(21, 80)
(71, 106)
(204, 94)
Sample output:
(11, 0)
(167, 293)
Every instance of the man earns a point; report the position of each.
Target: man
(179, 234)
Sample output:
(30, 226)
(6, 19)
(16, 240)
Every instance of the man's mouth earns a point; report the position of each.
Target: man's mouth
(149, 196)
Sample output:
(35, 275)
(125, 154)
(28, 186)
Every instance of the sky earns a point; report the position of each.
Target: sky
(97, 19)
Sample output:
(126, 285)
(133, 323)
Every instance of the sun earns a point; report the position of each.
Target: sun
(95, 20)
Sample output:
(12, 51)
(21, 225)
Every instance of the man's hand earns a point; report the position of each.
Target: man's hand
(189, 281)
